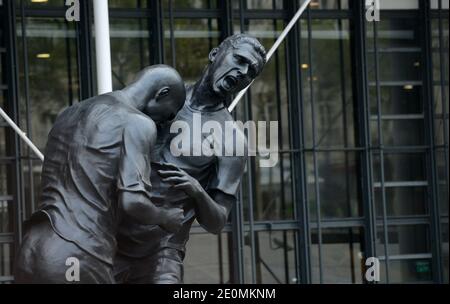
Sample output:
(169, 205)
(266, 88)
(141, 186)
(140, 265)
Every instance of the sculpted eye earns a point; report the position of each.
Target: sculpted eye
(238, 58)
(163, 92)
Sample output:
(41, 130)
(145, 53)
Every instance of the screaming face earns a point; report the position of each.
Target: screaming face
(234, 69)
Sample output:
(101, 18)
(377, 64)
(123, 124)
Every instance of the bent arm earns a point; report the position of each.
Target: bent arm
(212, 210)
(140, 208)
(133, 184)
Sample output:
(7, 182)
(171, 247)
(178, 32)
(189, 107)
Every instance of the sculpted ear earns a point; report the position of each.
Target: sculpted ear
(213, 54)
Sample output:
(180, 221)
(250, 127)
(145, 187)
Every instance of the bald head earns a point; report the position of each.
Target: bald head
(158, 91)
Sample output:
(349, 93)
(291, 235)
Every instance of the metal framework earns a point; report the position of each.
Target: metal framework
(305, 230)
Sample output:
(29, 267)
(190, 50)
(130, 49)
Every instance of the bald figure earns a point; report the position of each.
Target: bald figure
(96, 171)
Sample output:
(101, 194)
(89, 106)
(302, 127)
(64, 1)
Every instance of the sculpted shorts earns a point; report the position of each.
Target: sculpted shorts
(43, 255)
(163, 267)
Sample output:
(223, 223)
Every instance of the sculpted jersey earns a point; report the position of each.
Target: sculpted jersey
(221, 173)
(95, 149)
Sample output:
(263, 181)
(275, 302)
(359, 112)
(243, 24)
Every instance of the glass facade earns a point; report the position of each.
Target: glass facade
(363, 128)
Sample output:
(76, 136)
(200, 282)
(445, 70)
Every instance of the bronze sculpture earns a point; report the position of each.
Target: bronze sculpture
(113, 191)
(96, 170)
(204, 186)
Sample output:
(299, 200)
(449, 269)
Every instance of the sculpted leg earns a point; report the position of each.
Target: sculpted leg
(43, 255)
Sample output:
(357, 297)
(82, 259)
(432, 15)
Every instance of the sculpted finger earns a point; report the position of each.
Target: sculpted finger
(181, 186)
(164, 173)
(174, 179)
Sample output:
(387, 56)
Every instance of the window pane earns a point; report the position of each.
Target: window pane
(207, 259)
(435, 4)
(341, 252)
(445, 247)
(6, 215)
(398, 132)
(190, 4)
(329, 4)
(129, 49)
(337, 183)
(52, 59)
(390, 61)
(402, 201)
(273, 195)
(6, 262)
(442, 174)
(3, 130)
(329, 78)
(43, 4)
(410, 271)
(399, 4)
(193, 40)
(395, 100)
(394, 33)
(275, 260)
(403, 240)
(127, 3)
(400, 168)
(258, 4)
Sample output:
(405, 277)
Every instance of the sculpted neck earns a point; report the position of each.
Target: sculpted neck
(137, 96)
(203, 97)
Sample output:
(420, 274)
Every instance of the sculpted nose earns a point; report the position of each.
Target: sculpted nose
(244, 69)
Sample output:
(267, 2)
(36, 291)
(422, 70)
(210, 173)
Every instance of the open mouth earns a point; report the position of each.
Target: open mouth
(229, 82)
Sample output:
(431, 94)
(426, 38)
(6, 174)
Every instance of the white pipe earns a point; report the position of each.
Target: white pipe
(21, 134)
(102, 46)
(273, 49)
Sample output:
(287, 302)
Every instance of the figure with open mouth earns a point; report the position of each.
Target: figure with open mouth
(205, 187)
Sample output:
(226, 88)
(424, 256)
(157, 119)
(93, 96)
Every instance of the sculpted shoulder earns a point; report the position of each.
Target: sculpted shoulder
(142, 127)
